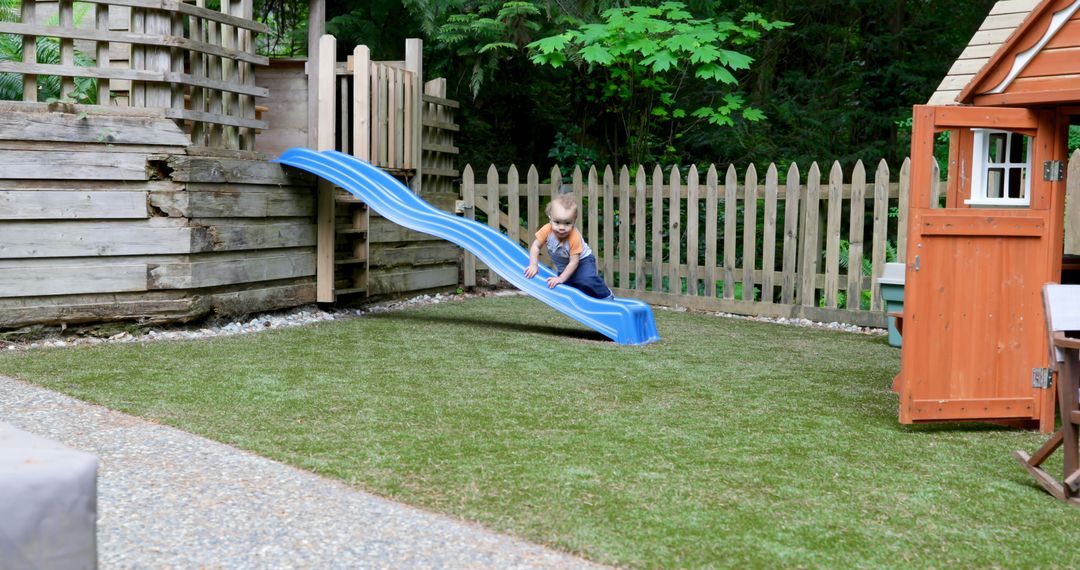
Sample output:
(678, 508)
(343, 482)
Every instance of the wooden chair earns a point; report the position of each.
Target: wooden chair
(1062, 304)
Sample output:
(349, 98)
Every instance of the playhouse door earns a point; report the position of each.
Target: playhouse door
(973, 314)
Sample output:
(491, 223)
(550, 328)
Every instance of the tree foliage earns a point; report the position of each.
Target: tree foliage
(834, 85)
(639, 60)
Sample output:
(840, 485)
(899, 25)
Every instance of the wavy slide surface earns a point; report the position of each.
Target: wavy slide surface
(626, 321)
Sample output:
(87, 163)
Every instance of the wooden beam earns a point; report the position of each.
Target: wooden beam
(71, 205)
(117, 36)
(204, 117)
(188, 168)
(209, 235)
(261, 266)
(49, 165)
(235, 203)
(401, 281)
(74, 128)
(78, 239)
(981, 409)
(59, 279)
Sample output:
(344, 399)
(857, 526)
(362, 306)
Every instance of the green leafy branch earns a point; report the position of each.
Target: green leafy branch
(642, 56)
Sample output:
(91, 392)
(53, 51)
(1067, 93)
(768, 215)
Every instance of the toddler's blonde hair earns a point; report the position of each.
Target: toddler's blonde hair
(566, 201)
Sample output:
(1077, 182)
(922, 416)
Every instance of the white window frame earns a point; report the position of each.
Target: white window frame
(980, 166)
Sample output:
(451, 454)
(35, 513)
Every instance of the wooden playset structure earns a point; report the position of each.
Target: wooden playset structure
(1063, 328)
(975, 346)
(145, 191)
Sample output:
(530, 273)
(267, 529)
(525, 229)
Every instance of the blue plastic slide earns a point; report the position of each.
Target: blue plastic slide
(626, 321)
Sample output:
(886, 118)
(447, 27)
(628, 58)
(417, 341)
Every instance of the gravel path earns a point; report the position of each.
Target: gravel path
(169, 499)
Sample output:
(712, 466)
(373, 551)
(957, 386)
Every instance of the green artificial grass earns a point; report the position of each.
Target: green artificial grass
(728, 443)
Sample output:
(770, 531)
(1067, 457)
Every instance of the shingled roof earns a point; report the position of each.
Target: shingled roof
(1004, 19)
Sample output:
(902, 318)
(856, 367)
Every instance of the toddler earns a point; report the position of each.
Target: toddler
(573, 258)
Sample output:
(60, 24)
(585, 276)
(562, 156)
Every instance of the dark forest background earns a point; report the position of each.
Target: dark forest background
(837, 83)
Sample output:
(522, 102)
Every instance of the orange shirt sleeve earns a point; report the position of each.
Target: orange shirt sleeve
(575, 241)
(543, 233)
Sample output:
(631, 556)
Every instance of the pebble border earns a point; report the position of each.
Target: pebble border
(307, 314)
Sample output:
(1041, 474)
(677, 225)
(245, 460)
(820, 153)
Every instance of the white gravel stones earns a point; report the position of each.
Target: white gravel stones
(297, 316)
(169, 499)
(808, 323)
(309, 314)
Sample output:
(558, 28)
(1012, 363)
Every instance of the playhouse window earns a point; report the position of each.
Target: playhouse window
(1000, 173)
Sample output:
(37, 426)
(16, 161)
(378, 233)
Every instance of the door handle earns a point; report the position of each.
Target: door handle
(916, 263)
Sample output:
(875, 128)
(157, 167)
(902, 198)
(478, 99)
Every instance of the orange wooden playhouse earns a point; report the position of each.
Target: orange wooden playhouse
(975, 342)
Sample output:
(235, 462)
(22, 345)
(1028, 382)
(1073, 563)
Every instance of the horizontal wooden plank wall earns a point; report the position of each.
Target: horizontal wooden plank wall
(405, 261)
(143, 227)
(782, 250)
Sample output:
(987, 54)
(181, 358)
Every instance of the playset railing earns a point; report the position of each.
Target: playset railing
(194, 63)
(759, 247)
(371, 109)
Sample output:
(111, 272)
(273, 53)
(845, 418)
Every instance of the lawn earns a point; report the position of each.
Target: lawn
(728, 443)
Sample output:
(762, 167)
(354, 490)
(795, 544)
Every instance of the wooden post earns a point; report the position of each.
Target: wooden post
(658, 229)
(324, 127)
(362, 102)
(1072, 206)
(624, 227)
(675, 231)
(67, 49)
(692, 195)
(731, 192)
(468, 195)
(513, 207)
(414, 62)
(832, 235)
(791, 236)
(229, 100)
(808, 241)
(575, 180)
(29, 50)
(768, 240)
(903, 206)
(245, 40)
(216, 134)
(640, 246)
(101, 25)
(855, 239)
(711, 196)
(609, 226)
(493, 209)
(594, 219)
(749, 241)
(881, 231)
(316, 29)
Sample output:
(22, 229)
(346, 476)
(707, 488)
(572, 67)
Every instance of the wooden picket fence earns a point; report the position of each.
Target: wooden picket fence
(772, 249)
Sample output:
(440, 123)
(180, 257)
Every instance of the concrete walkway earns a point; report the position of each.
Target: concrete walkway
(169, 499)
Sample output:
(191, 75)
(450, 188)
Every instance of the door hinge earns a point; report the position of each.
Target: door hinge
(1041, 378)
(1053, 170)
